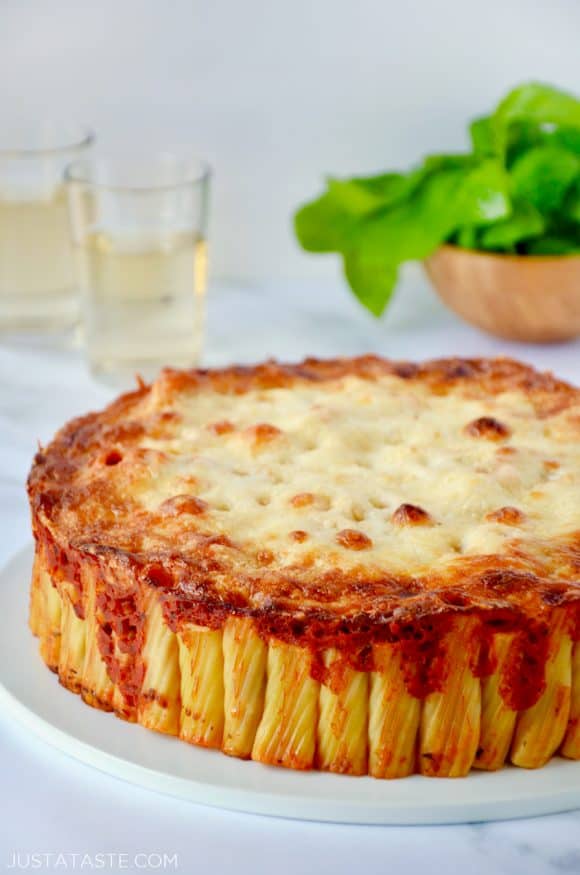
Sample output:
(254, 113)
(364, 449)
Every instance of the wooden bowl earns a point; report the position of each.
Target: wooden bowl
(520, 297)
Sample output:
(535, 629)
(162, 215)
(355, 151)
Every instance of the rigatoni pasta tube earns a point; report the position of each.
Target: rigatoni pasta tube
(394, 716)
(497, 718)
(343, 717)
(287, 732)
(51, 612)
(571, 745)
(97, 688)
(36, 605)
(159, 702)
(245, 658)
(72, 645)
(202, 688)
(540, 729)
(450, 718)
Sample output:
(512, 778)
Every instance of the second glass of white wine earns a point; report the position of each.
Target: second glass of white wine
(140, 236)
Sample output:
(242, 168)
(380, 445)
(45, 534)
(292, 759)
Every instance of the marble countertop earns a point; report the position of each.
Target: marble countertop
(52, 804)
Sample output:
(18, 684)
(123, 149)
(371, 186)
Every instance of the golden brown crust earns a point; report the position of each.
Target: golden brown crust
(84, 510)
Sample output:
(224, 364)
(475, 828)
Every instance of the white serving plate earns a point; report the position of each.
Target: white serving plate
(33, 695)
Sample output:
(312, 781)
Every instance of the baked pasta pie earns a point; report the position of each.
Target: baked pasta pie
(362, 566)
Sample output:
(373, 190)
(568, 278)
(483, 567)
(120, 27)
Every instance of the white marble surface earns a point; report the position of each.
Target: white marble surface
(51, 804)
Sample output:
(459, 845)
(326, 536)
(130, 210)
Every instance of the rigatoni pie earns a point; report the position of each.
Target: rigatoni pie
(362, 566)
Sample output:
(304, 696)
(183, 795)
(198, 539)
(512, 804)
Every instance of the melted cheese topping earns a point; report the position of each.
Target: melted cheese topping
(323, 472)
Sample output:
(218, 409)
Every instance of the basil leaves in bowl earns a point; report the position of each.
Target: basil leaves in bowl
(515, 194)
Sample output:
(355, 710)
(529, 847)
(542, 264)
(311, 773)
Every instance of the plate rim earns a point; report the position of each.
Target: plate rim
(268, 790)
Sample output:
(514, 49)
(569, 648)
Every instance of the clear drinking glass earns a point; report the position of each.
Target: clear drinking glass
(38, 290)
(139, 228)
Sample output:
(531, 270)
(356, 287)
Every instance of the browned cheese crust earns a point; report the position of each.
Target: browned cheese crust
(148, 499)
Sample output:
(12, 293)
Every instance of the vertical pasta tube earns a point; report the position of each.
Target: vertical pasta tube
(343, 717)
(450, 719)
(497, 719)
(394, 716)
(35, 612)
(571, 745)
(159, 703)
(72, 645)
(97, 688)
(51, 622)
(126, 666)
(540, 729)
(245, 659)
(202, 685)
(287, 732)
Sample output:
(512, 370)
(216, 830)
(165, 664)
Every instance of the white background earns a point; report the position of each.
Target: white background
(279, 92)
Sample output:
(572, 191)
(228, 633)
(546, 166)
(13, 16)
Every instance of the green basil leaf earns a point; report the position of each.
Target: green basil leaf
(457, 161)
(524, 222)
(569, 138)
(553, 245)
(484, 194)
(388, 188)
(371, 279)
(327, 224)
(570, 209)
(543, 175)
(411, 229)
(482, 136)
(321, 226)
(408, 230)
(524, 136)
(414, 228)
(466, 237)
(534, 103)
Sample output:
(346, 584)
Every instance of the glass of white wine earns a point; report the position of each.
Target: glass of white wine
(139, 229)
(38, 291)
